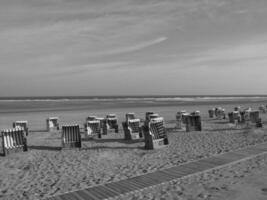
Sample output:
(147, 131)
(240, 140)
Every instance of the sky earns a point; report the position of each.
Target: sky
(133, 47)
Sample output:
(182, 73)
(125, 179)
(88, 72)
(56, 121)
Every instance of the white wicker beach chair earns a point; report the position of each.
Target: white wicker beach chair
(93, 129)
(129, 116)
(156, 136)
(132, 129)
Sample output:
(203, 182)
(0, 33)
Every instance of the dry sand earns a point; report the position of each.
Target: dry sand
(246, 180)
(46, 170)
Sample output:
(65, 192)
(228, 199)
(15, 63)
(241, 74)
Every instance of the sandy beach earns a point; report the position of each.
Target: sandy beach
(63, 62)
(47, 170)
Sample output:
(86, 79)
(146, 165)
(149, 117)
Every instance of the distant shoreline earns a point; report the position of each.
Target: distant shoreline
(49, 106)
(123, 97)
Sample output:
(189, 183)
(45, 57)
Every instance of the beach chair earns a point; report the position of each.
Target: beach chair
(262, 109)
(156, 136)
(259, 124)
(93, 129)
(220, 113)
(211, 113)
(180, 119)
(184, 115)
(129, 116)
(148, 117)
(102, 123)
(13, 140)
(132, 129)
(111, 122)
(52, 124)
(71, 137)
(195, 113)
(193, 123)
(90, 118)
(23, 125)
(234, 117)
(255, 116)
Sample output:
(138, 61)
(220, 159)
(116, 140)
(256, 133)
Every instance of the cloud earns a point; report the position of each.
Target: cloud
(136, 47)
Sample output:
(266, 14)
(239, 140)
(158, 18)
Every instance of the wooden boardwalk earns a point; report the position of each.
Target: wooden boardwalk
(113, 189)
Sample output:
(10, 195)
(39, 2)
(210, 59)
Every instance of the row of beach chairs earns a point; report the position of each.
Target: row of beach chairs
(238, 116)
(191, 121)
(152, 131)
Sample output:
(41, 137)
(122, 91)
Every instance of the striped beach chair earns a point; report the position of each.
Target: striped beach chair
(52, 124)
(132, 129)
(156, 136)
(23, 125)
(93, 129)
(193, 123)
(71, 136)
(13, 140)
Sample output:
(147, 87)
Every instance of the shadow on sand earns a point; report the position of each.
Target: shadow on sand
(119, 140)
(50, 148)
(221, 122)
(108, 147)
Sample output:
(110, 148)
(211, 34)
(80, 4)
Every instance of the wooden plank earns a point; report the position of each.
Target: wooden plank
(156, 177)
(114, 187)
(217, 161)
(87, 195)
(143, 180)
(137, 182)
(105, 190)
(58, 197)
(178, 171)
(121, 187)
(163, 176)
(69, 196)
(170, 176)
(100, 192)
(199, 165)
(174, 174)
(76, 194)
(130, 184)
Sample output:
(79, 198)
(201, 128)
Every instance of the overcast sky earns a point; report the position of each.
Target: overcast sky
(133, 47)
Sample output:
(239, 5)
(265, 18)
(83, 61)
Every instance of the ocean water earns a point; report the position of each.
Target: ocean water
(75, 109)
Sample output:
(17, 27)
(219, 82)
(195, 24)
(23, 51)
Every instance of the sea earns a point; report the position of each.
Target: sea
(74, 109)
